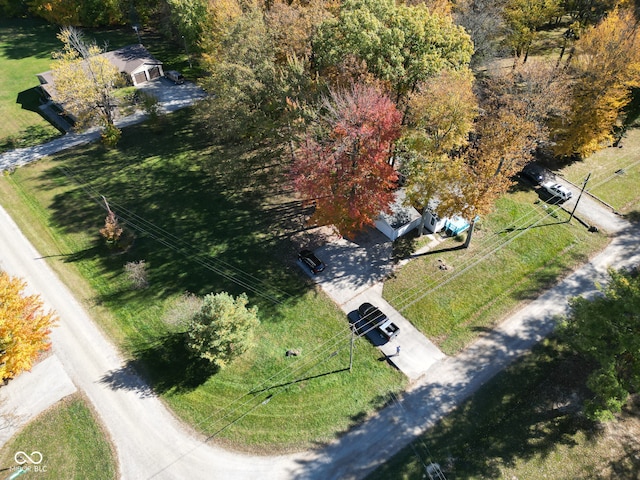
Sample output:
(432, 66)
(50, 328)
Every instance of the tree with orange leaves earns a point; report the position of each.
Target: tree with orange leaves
(24, 327)
(343, 164)
(607, 67)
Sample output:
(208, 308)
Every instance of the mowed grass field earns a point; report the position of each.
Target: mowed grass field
(615, 173)
(201, 231)
(522, 248)
(25, 50)
(71, 441)
(26, 46)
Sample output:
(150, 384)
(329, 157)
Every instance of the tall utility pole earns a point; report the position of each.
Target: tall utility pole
(136, 28)
(186, 50)
(353, 328)
(584, 184)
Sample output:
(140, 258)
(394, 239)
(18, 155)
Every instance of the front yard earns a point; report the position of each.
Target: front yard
(524, 247)
(615, 173)
(25, 49)
(201, 223)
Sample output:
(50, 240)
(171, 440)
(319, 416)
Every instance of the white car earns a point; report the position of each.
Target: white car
(175, 77)
(557, 190)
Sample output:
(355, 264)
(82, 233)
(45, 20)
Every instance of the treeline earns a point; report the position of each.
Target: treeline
(302, 78)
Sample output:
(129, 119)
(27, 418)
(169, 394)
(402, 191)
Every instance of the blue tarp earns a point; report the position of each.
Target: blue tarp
(455, 226)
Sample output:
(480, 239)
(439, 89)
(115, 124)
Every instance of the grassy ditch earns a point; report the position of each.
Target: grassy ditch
(200, 229)
(452, 295)
(72, 443)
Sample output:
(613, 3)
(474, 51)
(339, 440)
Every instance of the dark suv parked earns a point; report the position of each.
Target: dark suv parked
(535, 173)
(310, 260)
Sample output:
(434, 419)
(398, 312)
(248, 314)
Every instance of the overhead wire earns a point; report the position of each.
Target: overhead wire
(235, 275)
(410, 296)
(284, 377)
(490, 241)
(612, 175)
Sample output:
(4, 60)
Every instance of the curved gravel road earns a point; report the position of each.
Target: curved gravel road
(151, 443)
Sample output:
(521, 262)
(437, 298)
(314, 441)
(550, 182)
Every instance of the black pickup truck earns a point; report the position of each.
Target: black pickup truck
(371, 317)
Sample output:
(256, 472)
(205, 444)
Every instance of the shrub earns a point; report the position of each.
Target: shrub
(222, 329)
(112, 231)
(111, 136)
(136, 273)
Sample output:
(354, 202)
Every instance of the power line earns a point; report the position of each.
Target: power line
(407, 299)
(224, 269)
(283, 379)
(489, 242)
(431, 469)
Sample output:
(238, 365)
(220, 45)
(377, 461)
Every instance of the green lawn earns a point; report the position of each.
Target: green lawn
(179, 190)
(25, 49)
(506, 264)
(615, 173)
(526, 424)
(72, 443)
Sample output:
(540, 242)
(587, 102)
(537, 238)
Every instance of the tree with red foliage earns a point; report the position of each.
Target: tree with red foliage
(342, 161)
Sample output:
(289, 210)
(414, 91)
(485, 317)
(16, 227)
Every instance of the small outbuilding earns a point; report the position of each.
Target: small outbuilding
(401, 220)
(136, 63)
(432, 222)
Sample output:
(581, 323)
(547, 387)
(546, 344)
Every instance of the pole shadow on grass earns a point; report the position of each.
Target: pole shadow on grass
(440, 250)
(168, 366)
(298, 380)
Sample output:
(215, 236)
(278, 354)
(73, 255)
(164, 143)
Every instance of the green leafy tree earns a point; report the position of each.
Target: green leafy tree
(524, 18)
(87, 13)
(399, 44)
(606, 329)
(190, 18)
(85, 81)
(589, 12)
(243, 74)
(223, 328)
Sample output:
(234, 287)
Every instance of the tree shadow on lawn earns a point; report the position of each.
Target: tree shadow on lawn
(627, 463)
(184, 223)
(523, 413)
(166, 363)
(23, 38)
(532, 417)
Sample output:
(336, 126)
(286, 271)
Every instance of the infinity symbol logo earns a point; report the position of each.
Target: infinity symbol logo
(22, 458)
